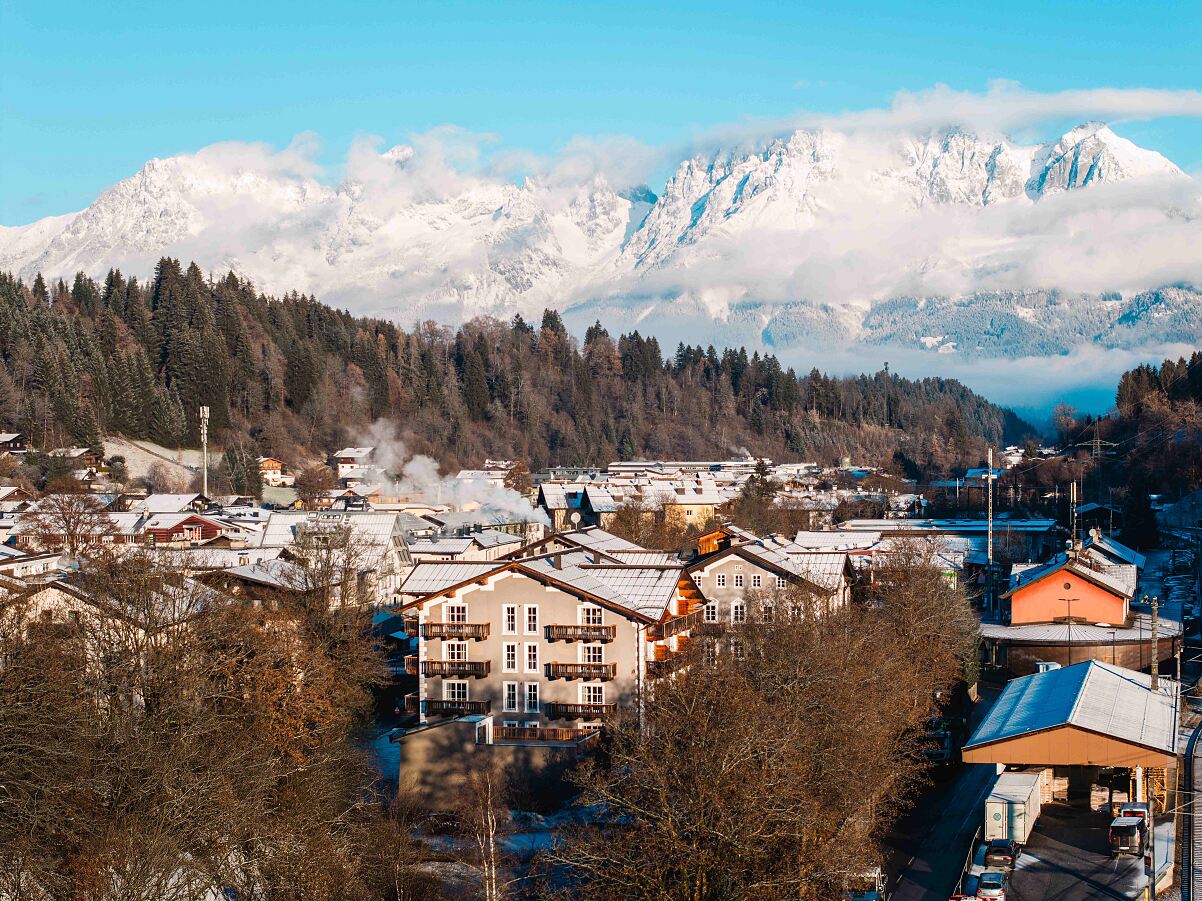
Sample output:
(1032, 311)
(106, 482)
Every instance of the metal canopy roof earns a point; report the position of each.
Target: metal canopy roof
(1108, 700)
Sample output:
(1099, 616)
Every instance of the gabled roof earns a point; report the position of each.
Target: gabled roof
(1100, 698)
(1116, 551)
(355, 452)
(821, 570)
(167, 503)
(644, 591)
(1115, 583)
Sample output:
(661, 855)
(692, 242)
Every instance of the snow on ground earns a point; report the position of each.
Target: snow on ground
(141, 455)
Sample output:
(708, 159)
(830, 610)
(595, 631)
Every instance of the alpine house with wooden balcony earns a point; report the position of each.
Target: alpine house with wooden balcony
(544, 648)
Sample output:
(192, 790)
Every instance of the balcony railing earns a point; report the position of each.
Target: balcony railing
(579, 711)
(411, 626)
(477, 668)
(581, 670)
(457, 708)
(412, 704)
(674, 626)
(581, 633)
(411, 664)
(541, 733)
(474, 631)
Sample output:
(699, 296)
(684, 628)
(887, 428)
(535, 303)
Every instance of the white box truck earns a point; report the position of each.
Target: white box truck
(1013, 807)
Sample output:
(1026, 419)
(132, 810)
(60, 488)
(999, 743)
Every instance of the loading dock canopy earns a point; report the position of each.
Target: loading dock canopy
(1089, 714)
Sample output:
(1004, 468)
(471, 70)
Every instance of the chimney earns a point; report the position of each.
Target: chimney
(557, 561)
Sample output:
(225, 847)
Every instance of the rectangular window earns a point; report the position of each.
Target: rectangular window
(532, 697)
(532, 724)
(721, 580)
(511, 657)
(756, 581)
(454, 691)
(456, 613)
(768, 613)
(531, 657)
(781, 582)
(738, 613)
(455, 650)
(738, 580)
(510, 724)
(711, 612)
(531, 619)
(592, 694)
(511, 619)
(511, 697)
(593, 653)
(590, 616)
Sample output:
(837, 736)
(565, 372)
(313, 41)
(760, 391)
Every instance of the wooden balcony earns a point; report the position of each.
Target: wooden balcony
(476, 668)
(411, 626)
(456, 708)
(579, 711)
(473, 631)
(411, 664)
(665, 665)
(412, 704)
(601, 671)
(581, 633)
(675, 626)
(541, 733)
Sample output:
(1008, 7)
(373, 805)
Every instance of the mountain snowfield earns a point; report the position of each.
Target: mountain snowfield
(944, 243)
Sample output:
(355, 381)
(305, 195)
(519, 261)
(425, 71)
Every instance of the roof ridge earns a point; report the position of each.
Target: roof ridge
(1089, 671)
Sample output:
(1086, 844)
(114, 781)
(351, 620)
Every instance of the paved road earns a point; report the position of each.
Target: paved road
(934, 873)
(1067, 860)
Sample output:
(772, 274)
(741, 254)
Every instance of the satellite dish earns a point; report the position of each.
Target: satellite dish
(1093, 533)
(575, 517)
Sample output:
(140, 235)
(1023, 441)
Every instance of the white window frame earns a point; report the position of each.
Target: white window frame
(532, 691)
(738, 580)
(782, 582)
(527, 610)
(509, 614)
(710, 612)
(584, 650)
(738, 612)
(448, 684)
(533, 724)
(586, 687)
(508, 687)
(510, 724)
(586, 611)
(720, 580)
(506, 667)
(756, 580)
(459, 609)
(531, 646)
(454, 650)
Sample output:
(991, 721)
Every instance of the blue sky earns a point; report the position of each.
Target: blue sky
(89, 91)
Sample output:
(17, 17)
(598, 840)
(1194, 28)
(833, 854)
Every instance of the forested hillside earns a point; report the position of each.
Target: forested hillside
(297, 379)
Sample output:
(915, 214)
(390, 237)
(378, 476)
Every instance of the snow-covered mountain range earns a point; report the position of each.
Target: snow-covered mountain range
(946, 241)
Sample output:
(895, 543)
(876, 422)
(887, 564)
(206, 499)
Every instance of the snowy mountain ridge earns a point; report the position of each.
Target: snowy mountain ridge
(818, 226)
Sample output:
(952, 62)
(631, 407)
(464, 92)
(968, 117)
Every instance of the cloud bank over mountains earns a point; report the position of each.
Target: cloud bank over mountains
(920, 226)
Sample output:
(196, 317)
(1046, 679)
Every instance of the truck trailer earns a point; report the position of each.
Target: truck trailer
(1013, 807)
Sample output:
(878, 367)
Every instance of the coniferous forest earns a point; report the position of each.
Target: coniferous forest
(297, 378)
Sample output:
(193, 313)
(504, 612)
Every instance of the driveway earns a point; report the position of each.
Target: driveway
(1067, 859)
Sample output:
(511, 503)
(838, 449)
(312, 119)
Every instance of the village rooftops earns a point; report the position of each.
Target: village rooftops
(1095, 697)
(354, 453)
(1000, 525)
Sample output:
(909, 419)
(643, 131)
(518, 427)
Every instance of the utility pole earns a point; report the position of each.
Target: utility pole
(1069, 621)
(1155, 647)
(989, 528)
(204, 451)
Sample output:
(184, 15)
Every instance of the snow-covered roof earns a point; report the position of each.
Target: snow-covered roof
(1095, 696)
(429, 578)
(1104, 576)
(369, 526)
(166, 503)
(355, 453)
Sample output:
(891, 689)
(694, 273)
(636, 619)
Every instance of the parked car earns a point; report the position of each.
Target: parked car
(1002, 852)
(992, 885)
(1128, 835)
